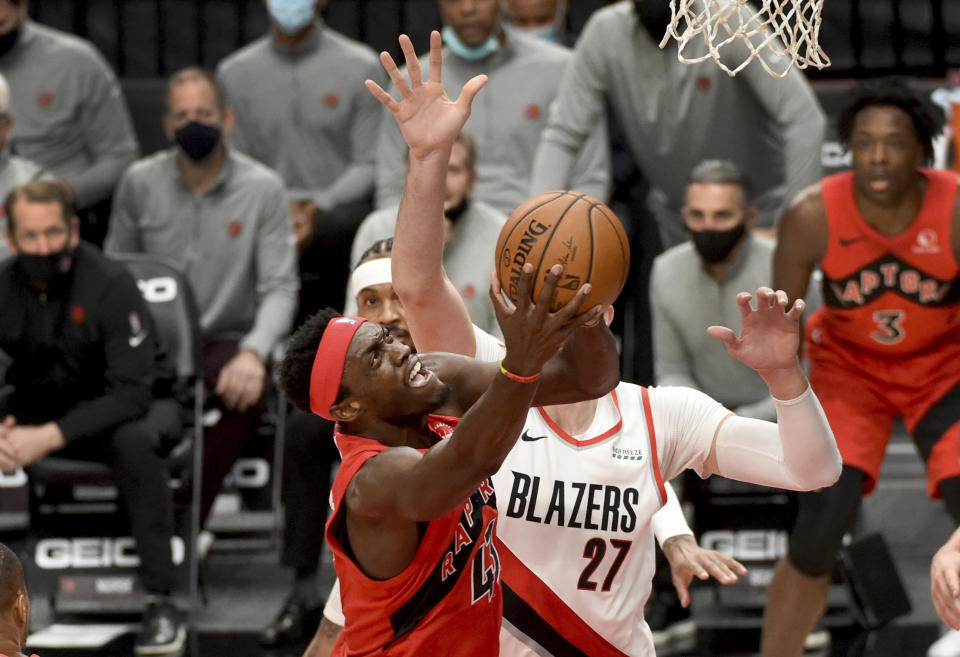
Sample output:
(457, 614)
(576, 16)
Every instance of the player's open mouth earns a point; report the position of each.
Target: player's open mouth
(417, 377)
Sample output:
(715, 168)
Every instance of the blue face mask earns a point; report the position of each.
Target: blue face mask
(474, 53)
(292, 16)
(545, 32)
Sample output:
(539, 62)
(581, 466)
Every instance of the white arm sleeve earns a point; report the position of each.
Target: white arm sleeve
(333, 611)
(669, 520)
(799, 452)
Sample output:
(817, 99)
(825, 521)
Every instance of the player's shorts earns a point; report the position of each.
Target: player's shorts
(862, 394)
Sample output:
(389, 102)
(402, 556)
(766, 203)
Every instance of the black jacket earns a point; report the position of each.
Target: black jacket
(84, 354)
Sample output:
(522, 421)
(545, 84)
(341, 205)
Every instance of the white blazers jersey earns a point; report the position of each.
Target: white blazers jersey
(575, 538)
(577, 552)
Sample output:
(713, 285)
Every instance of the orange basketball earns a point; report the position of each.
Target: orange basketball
(572, 229)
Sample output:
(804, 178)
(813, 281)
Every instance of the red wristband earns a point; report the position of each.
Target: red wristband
(516, 377)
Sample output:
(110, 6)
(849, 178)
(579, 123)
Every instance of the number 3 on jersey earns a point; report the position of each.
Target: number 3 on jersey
(889, 326)
(595, 550)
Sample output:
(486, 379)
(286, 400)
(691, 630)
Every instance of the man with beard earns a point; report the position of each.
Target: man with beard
(675, 115)
(222, 218)
(470, 231)
(83, 371)
(722, 257)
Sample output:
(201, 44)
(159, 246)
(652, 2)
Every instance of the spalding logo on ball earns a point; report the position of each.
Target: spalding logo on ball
(572, 229)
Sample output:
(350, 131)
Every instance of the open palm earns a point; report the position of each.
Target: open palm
(769, 334)
(428, 119)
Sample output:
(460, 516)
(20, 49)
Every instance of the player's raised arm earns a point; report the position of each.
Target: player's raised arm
(402, 483)
(430, 123)
(800, 451)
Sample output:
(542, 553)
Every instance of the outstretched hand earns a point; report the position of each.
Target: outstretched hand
(428, 119)
(769, 335)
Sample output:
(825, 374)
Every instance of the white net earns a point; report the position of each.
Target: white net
(781, 34)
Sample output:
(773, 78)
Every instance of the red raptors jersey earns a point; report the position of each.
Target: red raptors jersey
(891, 296)
(447, 601)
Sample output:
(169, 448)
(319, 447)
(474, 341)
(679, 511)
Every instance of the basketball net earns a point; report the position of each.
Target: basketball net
(787, 29)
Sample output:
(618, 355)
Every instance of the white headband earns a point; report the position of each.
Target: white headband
(371, 272)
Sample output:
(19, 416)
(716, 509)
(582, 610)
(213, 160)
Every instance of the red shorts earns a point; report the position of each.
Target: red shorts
(862, 394)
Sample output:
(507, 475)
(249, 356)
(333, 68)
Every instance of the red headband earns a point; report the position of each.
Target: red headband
(328, 363)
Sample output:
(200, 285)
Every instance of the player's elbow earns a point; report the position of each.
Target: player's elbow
(822, 476)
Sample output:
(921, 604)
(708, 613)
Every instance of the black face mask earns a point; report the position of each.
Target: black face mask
(715, 245)
(197, 139)
(457, 211)
(9, 40)
(654, 15)
(46, 271)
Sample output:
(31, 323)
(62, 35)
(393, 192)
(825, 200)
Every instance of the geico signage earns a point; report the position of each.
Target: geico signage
(99, 552)
(249, 473)
(15, 479)
(158, 290)
(747, 544)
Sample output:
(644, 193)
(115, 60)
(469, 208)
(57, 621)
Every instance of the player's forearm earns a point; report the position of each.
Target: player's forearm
(799, 452)
(786, 383)
(587, 367)
(417, 253)
(452, 470)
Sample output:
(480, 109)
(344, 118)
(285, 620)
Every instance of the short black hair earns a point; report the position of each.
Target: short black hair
(297, 364)
(927, 117)
(379, 249)
(11, 578)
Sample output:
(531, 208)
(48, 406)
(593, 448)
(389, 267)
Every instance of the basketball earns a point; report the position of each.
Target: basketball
(572, 229)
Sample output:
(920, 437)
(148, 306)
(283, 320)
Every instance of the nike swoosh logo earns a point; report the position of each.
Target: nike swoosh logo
(526, 437)
(136, 340)
(851, 240)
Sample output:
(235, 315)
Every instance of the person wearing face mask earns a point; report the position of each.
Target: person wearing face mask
(300, 108)
(674, 115)
(223, 219)
(71, 114)
(470, 227)
(84, 375)
(722, 254)
(541, 19)
(524, 77)
(14, 170)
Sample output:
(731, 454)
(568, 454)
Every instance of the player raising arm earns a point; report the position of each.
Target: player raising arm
(667, 430)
